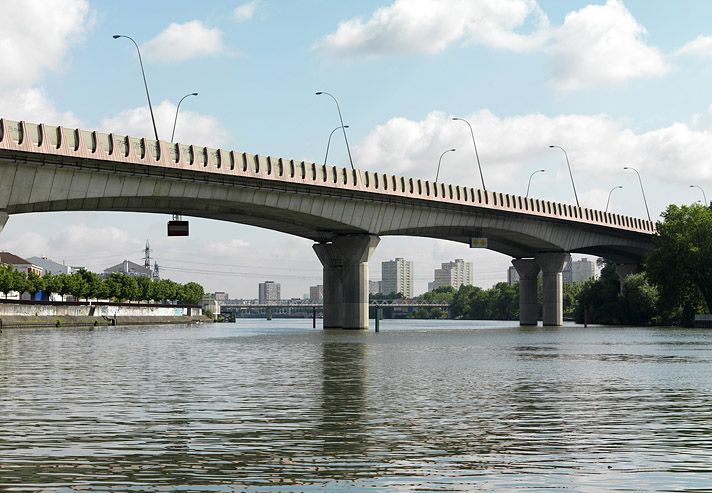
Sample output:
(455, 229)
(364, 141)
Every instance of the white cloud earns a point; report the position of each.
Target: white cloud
(32, 104)
(602, 44)
(180, 42)
(191, 128)
(430, 26)
(246, 11)
(596, 45)
(701, 46)
(511, 148)
(35, 36)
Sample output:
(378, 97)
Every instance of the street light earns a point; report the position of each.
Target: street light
(641, 190)
(440, 161)
(328, 142)
(570, 174)
(145, 84)
(609, 195)
(704, 195)
(343, 127)
(175, 120)
(530, 180)
(479, 166)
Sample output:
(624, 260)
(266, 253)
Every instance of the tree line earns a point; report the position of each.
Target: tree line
(86, 285)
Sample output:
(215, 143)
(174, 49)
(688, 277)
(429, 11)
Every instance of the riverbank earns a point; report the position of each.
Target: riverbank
(19, 322)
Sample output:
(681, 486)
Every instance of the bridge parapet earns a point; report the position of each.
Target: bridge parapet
(67, 142)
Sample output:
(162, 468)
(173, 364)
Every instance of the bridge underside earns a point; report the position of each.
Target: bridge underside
(345, 225)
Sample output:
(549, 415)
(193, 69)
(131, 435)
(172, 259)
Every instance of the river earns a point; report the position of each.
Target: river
(423, 406)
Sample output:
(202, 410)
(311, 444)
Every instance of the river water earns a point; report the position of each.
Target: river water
(421, 406)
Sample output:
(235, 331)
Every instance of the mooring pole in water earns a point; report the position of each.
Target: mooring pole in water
(585, 316)
(313, 317)
(269, 314)
(378, 316)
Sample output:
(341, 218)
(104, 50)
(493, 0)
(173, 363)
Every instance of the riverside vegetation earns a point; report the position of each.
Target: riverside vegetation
(674, 283)
(86, 285)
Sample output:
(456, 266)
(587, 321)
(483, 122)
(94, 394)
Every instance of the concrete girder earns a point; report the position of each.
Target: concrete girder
(318, 215)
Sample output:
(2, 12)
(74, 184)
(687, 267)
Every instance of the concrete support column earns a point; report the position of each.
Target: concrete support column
(345, 261)
(552, 265)
(623, 271)
(3, 219)
(528, 270)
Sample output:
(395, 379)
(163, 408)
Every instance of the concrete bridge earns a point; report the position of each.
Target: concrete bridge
(344, 211)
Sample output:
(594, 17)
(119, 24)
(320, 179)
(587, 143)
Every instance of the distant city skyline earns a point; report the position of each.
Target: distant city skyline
(525, 74)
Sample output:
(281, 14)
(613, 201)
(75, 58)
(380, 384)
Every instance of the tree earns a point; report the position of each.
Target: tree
(34, 283)
(77, 285)
(681, 260)
(600, 297)
(639, 302)
(191, 293)
(5, 279)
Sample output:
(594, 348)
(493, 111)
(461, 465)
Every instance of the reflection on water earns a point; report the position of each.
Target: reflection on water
(421, 406)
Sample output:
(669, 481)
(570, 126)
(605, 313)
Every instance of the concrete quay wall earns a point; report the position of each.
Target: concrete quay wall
(14, 313)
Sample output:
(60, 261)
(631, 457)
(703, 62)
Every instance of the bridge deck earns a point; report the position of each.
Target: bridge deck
(61, 143)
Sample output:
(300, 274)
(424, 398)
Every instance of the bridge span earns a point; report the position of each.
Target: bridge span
(344, 211)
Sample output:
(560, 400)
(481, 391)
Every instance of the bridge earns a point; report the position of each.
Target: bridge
(345, 212)
(232, 309)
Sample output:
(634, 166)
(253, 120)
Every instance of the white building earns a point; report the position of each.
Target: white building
(512, 275)
(374, 287)
(129, 268)
(397, 277)
(582, 270)
(20, 264)
(316, 293)
(50, 266)
(455, 274)
(269, 291)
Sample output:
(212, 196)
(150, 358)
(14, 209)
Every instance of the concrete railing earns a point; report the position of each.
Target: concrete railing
(62, 141)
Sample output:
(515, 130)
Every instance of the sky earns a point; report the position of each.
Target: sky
(615, 83)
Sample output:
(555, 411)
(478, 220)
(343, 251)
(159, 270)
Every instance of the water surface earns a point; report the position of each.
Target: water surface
(420, 406)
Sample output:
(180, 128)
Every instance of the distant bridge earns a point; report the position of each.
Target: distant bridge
(48, 168)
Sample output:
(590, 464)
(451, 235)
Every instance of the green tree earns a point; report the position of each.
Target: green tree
(639, 302)
(145, 288)
(600, 297)
(5, 279)
(442, 294)
(77, 285)
(34, 283)
(129, 288)
(191, 292)
(60, 285)
(680, 263)
(18, 281)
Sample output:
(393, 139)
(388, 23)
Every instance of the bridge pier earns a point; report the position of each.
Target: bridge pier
(552, 266)
(3, 219)
(528, 271)
(345, 262)
(623, 271)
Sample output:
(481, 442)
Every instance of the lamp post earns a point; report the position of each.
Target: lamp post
(145, 84)
(570, 174)
(342, 125)
(645, 201)
(479, 166)
(704, 195)
(530, 180)
(175, 120)
(440, 161)
(328, 142)
(609, 195)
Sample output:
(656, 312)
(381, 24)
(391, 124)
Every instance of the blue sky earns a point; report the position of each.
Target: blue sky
(617, 83)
